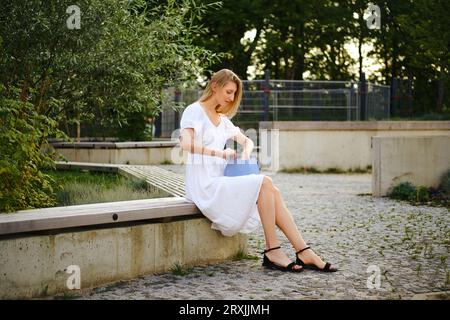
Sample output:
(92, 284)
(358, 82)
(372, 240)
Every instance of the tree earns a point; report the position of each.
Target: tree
(226, 25)
(429, 48)
(115, 65)
(109, 70)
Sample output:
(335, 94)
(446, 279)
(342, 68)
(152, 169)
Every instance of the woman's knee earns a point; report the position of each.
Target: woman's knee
(268, 185)
(267, 188)
(267, 181)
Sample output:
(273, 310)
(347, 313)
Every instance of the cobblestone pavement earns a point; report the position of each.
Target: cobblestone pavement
(385, 249)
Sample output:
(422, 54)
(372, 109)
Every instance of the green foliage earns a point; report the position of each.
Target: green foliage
(444, 185)
(180, 270)
(108, 71)
(108, 74)
(421, 194)
(140, 185)
(241, 254)
(308, 39)
(23, 155)
(74, 187)
(403, 191)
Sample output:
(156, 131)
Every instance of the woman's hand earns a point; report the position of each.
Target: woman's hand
(245, 155)
(229, 153)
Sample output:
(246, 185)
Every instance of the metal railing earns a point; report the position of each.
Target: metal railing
(293, 100)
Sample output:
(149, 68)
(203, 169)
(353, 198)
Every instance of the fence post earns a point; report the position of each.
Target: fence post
(176, 113)
(266, 94)
(349, 102)
(394, 97)
(362, 96)
(410, 95)
(158, 125)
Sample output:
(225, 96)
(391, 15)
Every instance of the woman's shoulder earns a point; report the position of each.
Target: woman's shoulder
(225, 118)
(192, 109)
(194, 104)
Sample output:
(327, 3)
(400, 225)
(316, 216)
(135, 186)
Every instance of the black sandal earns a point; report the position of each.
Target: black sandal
(326, 268)
(271, 265)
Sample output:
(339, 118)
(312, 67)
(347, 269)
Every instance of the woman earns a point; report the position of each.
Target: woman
(236, 204)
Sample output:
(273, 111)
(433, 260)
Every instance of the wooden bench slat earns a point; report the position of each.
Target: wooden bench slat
(156, 181)
(160, 172)
(94, 214)
(170, 182)
(174, 183)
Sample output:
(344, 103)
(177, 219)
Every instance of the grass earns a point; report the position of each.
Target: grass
(180, 270)
(67, 296)
(242, 255)
(75, 187)
(307, 170)
(422, 195)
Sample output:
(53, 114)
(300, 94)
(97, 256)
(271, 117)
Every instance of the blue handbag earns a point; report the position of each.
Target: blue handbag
(239, 167)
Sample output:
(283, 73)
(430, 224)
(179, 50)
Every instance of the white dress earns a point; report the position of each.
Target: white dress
(229, 202)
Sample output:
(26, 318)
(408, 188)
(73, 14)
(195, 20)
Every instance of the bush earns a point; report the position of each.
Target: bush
(444, 185)
(403, 191)
(422, 194)
(22, 140)
(109, 73)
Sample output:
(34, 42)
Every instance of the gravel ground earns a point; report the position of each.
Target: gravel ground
(385, 249)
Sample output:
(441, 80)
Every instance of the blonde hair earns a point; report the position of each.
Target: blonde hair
(221, 78)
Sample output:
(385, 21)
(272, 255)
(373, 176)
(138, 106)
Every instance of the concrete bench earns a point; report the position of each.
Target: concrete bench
(323, 145)
(420, 160)
(95, 214)
(139, 152)
(106, 242)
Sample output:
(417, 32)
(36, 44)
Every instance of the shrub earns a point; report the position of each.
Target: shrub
(403, 191)
(444, 185)
(22, 140)
(422, 194)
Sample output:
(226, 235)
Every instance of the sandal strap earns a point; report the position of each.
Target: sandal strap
(327, 267)
(265, 251)
(299, 251)
(291, 265)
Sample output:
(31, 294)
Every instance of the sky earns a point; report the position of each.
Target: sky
(370, 65)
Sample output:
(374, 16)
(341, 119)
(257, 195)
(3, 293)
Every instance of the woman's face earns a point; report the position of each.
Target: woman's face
(225, 95)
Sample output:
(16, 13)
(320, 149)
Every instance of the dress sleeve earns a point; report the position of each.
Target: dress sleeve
(230, 129)
(190, 119)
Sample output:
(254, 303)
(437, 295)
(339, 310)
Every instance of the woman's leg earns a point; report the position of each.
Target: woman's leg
(266, 208)
(285, 221)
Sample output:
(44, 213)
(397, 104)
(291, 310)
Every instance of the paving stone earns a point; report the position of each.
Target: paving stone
(350, 230)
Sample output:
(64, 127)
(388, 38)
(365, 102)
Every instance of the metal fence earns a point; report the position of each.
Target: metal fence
(293, 100)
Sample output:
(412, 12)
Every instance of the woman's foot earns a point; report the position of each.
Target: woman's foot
(310, 260)
(279, 258)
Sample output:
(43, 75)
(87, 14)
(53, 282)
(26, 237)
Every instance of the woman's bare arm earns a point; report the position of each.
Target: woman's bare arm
(246, 143)
(187, 143)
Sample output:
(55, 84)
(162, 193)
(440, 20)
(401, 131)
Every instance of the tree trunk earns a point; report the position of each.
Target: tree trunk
(300, 59)
(440, 97)
(360, 58)
(78, 132)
